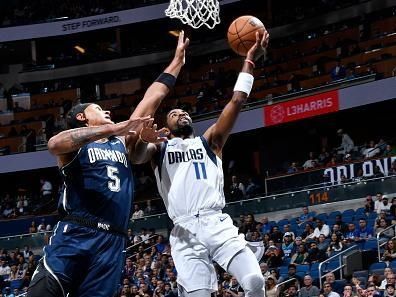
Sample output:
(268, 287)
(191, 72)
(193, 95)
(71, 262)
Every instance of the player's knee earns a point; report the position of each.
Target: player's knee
(253, 284)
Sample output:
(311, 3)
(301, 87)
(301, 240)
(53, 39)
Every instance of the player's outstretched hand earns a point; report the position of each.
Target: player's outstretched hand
(259, 48)
(129, 127)
(182, 44)
(149, 133)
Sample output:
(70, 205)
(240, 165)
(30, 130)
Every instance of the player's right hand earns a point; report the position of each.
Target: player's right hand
(182, 44)
(259, 48)
(149, 133)
(131, 126)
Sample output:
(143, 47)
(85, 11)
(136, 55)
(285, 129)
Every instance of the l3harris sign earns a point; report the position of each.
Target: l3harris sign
(302, 108)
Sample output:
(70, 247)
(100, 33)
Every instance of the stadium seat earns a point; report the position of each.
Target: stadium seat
(283, 270)
(347, 219)
(393, 265)
(348, 213)
(16, 284)
(370, 245)
(333, 214)
(361, 273)
(283, 222)
(379, 265)
(360, 212)
(303, 268)
(322, 216)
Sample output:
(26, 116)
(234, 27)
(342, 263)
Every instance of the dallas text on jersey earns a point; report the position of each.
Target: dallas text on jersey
(191, 154)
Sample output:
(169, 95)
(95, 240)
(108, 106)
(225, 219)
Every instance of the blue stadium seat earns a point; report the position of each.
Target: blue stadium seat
(379, 265)
(370, 244)
(348, 213)
(16, 284)
(360, 211)
(361, 273)
(303, 268)
(372, 215)
(283, 270)
(281, 223)
(322, 216)
(393, 265)
(347, 219)
(333, 214)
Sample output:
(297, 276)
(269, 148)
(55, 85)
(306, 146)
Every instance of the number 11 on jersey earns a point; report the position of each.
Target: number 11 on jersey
(200, 170)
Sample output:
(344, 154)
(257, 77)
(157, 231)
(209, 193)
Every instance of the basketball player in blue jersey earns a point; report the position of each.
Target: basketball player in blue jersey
(189, 176)
(84, 256)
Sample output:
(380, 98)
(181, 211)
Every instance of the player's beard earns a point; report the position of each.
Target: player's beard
(183, 131)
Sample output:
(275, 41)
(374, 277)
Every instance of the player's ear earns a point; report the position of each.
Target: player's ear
(80, 116)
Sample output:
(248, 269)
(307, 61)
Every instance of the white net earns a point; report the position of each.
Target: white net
(195, 13)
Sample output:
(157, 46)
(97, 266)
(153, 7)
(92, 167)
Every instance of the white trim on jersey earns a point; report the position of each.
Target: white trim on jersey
(71, 161)
(64, 198)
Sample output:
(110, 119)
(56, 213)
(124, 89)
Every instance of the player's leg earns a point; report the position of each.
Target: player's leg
(104, 273)
(197, 293)
(195, 271)
(245, 268)
(230, 252)
(44, 284)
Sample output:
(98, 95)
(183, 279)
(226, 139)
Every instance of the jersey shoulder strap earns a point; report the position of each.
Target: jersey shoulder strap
(209, 151)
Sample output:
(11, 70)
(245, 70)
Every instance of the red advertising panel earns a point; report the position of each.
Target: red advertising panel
(301, 108)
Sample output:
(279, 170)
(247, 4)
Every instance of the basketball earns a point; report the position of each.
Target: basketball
(242, 33)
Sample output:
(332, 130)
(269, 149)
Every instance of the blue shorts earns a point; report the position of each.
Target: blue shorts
(87, 262)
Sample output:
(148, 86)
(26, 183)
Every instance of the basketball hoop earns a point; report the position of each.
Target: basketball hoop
(195, 13)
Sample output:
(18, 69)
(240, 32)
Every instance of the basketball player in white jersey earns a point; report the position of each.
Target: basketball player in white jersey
(189, 176)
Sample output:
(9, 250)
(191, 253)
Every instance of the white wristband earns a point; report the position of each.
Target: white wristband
(244, 83)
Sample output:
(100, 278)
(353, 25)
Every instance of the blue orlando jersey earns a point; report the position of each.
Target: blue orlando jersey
(98, 183)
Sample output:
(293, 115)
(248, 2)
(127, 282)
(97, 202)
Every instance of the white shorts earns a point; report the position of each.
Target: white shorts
(196, 242)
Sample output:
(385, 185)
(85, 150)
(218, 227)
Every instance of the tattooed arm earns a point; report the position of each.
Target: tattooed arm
(66, 143)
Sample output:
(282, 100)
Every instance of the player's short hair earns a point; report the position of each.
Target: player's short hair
(71, 119)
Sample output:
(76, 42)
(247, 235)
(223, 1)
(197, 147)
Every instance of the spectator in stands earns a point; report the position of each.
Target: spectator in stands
(249, 225)
(308, 290)
(292, 168)
(381, 225)
(323, 157)
(288, 246)
(369, 205)
(363, 232)
(270, 287)
(311, 163)
(338, 71)
(252, 188)
(378, 202)
(314, 254)
(338, 221)
(321, 228)
(300, 256)
(265, 226)
(276, 235)
(237, 189)
(384, 206)
(308, 231)
(389, 151)
(347, 143)
(137, 213)
(390, 290)
(338, 231)
(33, 228)
(264, 270)
(335, 245)
(305, 216)
(5, 269)
(392, 211)
(150, 209)
(323, 244)
(371, 150)
(328, 290)
(273, 255)
(348, 291)
(389, 280)
(45, 190)
(390, 251)
(287, 229)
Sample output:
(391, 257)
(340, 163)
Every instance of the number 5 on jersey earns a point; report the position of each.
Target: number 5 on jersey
(113, 184)
(200, 170)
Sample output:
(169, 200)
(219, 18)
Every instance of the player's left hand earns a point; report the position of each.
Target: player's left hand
(182, 44)
(149, 133)
(259, 48)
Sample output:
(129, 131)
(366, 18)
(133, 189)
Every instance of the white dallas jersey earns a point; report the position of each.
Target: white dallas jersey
(189, 177)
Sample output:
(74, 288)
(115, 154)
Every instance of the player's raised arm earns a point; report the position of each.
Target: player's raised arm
(218, 133)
